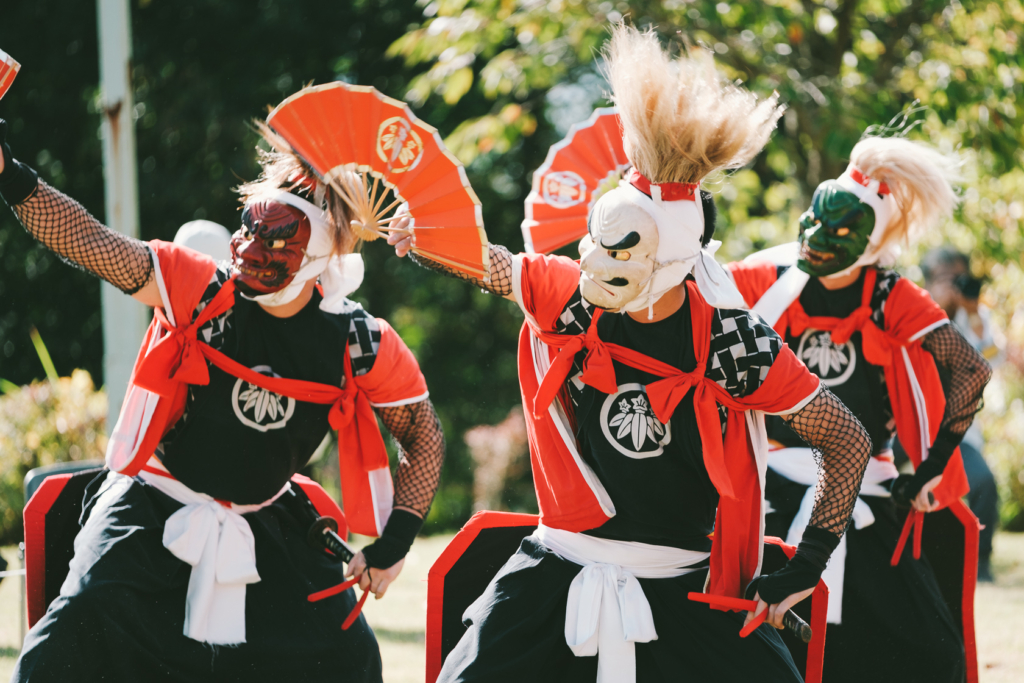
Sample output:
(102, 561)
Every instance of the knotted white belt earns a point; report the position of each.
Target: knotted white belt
(216, 540)
(607, 610)
(798, 465)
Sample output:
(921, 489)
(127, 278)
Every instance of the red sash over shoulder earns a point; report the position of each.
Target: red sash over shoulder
(172, 358)
(569, 494)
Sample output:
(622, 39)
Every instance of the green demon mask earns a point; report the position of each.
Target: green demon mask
(834, 232)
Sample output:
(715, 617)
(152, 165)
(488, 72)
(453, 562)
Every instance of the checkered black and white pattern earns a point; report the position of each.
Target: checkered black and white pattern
(575, 319)
(576, 316)
(363, 341)
(213, 331)
(884, 283)
(743, 348)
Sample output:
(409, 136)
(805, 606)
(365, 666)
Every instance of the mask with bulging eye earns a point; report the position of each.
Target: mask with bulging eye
(617, 256)
(834, 231)
(270, 246)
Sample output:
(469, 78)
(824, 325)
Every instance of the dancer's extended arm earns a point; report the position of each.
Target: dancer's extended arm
(842, 448)
(500, 282)
(417, 431)
(66, 228)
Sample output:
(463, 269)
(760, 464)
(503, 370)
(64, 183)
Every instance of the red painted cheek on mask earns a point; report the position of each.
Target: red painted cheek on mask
(268, 249)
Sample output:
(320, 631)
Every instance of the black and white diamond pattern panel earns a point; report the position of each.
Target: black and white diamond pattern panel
(575, 319)
(743, 348)
(576, 316)
(884, 284)
(213, 331)
(363, 341)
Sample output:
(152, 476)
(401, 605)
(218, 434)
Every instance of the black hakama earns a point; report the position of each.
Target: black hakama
(894, 618)
(517, 632)
(120, 615)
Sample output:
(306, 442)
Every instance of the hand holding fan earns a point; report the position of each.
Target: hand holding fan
(576, 172)
(340, 127)
(8, 70)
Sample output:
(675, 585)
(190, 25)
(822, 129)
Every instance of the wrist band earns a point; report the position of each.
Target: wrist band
(903, 490)
(396, 540)
(18, 182)
(945, 443)
(802, 571)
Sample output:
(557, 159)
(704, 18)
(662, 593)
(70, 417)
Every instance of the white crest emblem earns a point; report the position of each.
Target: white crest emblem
(629, 423)
(258, 408)
(833, 363)
(399, 145)
(563, 189)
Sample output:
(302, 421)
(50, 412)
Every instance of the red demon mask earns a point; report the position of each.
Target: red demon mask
(268, 249)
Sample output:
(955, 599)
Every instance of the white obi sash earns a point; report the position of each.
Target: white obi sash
(607, 611)
(216, 540)
(798, 465)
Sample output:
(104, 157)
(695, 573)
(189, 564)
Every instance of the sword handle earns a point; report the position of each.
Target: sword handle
(324, 534)
(797, 626)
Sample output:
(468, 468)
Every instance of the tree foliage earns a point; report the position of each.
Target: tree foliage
(840, 67)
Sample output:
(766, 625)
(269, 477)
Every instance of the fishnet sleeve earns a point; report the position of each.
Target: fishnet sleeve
(66, 228)
(501, 270)
(842, 448)
(417, 431)
(969, 372)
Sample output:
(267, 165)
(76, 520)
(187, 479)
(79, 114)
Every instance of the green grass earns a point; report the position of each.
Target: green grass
(999, 614)
(399, 618)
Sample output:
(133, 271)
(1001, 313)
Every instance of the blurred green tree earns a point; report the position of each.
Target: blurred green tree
(839, 67)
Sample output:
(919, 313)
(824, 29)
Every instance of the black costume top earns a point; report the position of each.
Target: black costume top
(238, 442)
(842, 367)
(655, 473)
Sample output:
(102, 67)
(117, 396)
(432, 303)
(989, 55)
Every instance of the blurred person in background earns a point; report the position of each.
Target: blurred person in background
(206, 237)
(195, 538)
(948, 278)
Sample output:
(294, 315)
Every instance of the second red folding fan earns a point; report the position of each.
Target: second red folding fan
(8, 70)
(577, 171)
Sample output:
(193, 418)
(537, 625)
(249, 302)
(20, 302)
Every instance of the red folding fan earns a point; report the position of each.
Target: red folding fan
(8, 70)
(384, 148)
(578, 170)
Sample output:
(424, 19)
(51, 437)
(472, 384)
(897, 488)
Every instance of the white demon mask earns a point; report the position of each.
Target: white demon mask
(617, 257)
(644, 239)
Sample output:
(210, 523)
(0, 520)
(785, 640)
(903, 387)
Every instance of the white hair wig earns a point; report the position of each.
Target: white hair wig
(920, 179)
(681, 119)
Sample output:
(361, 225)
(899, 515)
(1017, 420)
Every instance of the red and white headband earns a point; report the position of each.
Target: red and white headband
(877, 195)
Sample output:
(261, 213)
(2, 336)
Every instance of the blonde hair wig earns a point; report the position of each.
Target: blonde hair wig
(681, 119)
(283, 169)
(920, 179)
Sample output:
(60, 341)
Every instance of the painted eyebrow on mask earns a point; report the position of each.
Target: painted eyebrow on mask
(627, 242)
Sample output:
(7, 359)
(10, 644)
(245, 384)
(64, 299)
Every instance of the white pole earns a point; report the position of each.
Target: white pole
(124, 319)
